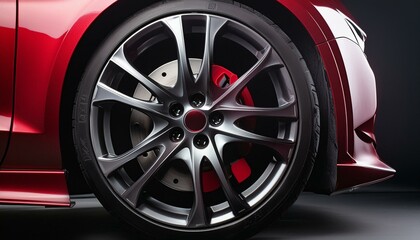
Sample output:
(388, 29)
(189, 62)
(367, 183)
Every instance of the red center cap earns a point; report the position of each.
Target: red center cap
(195, 120)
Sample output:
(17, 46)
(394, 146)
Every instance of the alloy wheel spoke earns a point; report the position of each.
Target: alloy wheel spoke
(213, 26)
(185, 77)
(166, 152)
(235, 200)
(109, 164)
(235, 111)
(232, 133)
(105, 94)
(155, 88)
(267, 58)
(198, 216)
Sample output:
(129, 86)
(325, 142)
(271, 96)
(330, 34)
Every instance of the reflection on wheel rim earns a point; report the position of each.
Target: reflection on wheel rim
(194, 120)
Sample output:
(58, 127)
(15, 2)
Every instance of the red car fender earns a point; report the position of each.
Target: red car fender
(40, 79)
(353, 89)
(7, 60)
(37, 103)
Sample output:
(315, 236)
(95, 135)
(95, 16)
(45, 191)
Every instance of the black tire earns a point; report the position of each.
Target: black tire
(110, 187)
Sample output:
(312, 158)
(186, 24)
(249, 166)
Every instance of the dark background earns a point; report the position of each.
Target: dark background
(393, 50)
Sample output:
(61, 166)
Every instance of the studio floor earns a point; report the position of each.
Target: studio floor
(394, 215)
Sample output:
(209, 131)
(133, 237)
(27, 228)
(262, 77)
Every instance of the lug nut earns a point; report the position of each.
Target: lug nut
(176, 110)
(176, 135)
(201, 141)
(197, 100)
(216, 119)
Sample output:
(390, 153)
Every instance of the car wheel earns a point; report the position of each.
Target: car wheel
(196, 119)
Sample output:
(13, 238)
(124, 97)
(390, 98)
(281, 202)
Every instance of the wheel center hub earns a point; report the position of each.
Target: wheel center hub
(195, 120)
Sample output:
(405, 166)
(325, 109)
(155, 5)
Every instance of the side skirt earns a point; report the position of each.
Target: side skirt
(48, 188)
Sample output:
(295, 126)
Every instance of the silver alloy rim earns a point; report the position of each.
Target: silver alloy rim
(163, 142)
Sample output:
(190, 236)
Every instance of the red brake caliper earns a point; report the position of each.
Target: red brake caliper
(240, 168)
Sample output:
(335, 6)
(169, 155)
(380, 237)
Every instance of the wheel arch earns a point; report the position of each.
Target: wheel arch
(304, 31)
(94, 34)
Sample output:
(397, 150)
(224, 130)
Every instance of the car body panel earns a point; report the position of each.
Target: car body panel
(7, 62)
(41, 73)
(353, 88)
(360, 165)
(34, 187)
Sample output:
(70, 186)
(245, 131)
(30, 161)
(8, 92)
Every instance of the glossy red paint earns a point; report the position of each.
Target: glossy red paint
(34, 187)
(361, 81)
(7, 62)
(44, 51)
(353, 87)
(361, 164)
(40, 75)
(366, 168)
